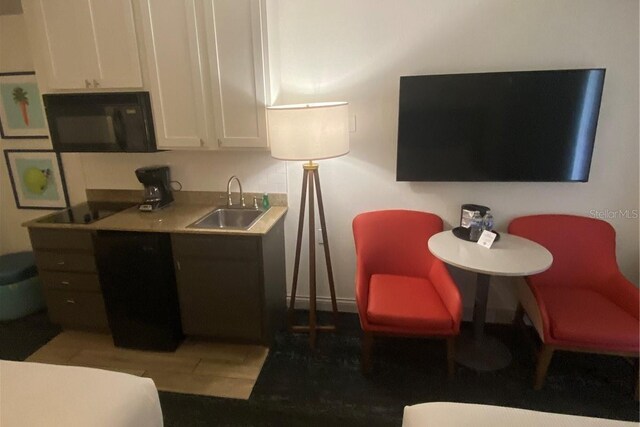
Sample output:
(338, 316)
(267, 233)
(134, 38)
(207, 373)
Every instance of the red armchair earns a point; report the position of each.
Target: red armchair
(401, 288)
(582, 303)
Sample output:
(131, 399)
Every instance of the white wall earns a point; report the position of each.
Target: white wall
(356, 50)
(15, 56)
(196, 171)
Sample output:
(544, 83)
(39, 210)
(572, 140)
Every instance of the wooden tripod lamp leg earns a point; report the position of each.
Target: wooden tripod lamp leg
(327, 253)
(312, 265)
(310, 182)
(296, 262)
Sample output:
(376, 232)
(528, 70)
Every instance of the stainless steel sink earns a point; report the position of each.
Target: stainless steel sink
(229, 218)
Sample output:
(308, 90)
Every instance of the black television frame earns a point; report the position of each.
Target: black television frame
(402, 174)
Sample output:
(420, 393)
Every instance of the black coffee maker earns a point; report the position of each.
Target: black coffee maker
(157, 187)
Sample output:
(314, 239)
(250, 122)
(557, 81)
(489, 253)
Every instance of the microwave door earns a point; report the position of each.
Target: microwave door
(87, 133)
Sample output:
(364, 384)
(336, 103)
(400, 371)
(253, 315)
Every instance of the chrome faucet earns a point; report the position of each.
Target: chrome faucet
(229, 203)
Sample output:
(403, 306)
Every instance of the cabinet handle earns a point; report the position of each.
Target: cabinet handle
(87, 83)
(64, 282)
(60, 262)
(96, 83)
(178, 265)
(71, 301)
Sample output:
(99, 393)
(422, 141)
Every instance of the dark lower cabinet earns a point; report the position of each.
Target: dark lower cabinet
(67, 268)
(231, 286)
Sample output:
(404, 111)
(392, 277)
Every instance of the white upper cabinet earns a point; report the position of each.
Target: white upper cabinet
(236, 36)
(84, 44)
(180, 92)
(207, 78)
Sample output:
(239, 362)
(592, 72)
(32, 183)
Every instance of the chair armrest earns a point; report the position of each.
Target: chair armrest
(624, 293)
(448, 290)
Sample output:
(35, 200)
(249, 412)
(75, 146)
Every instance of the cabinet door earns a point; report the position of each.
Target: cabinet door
(220, 298)
(65, 40)
(85, 44)
(116, 44)
(219, 285)
(237, 44)
(173, 37)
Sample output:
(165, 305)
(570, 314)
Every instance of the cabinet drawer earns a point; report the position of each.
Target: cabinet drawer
(65, 261)
(82, 310)
(69, 281)
(61, 239)
(209, 246)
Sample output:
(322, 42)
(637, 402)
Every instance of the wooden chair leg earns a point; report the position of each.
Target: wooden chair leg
(544, 359)
(367, 344)
(451, 353)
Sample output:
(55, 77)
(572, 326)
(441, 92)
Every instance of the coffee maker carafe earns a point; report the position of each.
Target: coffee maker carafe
(157, 187)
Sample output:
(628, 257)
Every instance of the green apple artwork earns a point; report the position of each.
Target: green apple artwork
(37, 179)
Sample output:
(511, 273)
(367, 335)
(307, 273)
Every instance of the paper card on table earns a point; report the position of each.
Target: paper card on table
(486, 239)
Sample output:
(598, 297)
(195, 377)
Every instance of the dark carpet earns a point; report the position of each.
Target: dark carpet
(299, 387)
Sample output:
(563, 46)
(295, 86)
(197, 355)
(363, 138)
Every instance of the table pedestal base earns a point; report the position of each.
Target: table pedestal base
(488, 354)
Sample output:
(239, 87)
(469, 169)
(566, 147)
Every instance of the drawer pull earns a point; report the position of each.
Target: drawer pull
(60, 262)
(65, 282)
(71, 301)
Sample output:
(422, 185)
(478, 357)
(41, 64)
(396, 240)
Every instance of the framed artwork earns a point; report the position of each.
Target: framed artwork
(37, 179)
(21, 111)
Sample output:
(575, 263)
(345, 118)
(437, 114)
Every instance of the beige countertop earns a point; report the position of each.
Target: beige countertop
(172, 219)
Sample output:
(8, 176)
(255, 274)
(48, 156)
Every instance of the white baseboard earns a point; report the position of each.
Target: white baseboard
(348, 305)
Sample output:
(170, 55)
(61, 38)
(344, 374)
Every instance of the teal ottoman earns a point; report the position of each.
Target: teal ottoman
(20, 288)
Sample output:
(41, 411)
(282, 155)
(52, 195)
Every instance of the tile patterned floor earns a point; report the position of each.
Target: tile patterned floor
(196, 367)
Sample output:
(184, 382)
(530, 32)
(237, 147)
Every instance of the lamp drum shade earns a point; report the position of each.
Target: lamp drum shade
(309, 131)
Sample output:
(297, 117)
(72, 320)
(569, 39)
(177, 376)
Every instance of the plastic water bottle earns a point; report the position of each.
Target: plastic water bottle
(475, 228)
(487, 221)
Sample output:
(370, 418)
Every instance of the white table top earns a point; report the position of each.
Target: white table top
(509, 256)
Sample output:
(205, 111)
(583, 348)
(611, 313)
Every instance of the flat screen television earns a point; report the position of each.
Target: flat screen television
(507, 126)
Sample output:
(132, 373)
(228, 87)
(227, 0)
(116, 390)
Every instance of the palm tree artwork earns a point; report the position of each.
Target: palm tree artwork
(21, 99)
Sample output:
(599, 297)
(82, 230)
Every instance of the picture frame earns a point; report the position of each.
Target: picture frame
(21, 110)
(37, 179)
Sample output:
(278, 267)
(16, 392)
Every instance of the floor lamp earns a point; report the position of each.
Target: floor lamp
(310, 132)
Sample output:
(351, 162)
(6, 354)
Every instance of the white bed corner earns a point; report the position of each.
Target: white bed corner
(36, 394)
(450, 414)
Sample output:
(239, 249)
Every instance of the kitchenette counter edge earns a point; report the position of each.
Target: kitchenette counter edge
(174, 218)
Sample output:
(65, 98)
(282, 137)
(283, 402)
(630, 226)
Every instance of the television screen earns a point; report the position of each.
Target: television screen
(508, 126)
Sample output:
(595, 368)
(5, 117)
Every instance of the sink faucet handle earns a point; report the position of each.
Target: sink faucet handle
(242, 201)
(255, 203)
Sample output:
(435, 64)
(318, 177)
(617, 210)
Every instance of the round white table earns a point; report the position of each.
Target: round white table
(509, 256)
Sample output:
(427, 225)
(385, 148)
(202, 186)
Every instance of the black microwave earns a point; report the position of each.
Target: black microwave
(100, 122)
